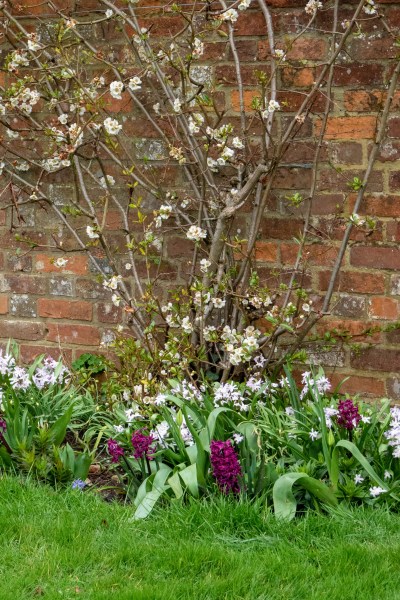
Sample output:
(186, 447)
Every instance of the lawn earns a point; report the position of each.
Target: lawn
(73, 545)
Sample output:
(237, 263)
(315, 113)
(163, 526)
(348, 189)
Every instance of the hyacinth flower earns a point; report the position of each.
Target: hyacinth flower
(3, 427)
(225, 466)
(114, 450)
(348, 415)
(142, 445)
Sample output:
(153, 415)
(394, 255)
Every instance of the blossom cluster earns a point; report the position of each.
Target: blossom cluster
(393, 432)
(47, 373)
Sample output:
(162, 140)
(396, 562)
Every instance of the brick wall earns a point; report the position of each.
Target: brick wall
(44, 307)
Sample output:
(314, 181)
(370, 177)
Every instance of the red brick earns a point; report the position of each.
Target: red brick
(329, 179)
(281, 229)
(299, 78)
(64, 309)
(348, 128)
(394, 182)
(108, 313)
(77, 263)
(393, 231)
(84, 335)
(119, 106)
(251, 23)
(373, 49)
(226, 74)
(355, 384)
(3, 305)
(359, 74)
(327, 204)
(266, 252)
(29, 353)
(246, 49)
(22, 330)
(368, 100)
(349, 306)
(248, 97)
(40, 7)
(26, 284)
(379, 257)
(393, 388)
(315, 254)
(357, 330)
(179, 248)
(295, 178)
(381, 206)
(354, 281)
(384, 308)
(376, 359)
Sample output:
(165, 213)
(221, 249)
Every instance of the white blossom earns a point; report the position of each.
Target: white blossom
(92, 233)
(369, 8)
(218, 302)
(196, 234)
(376, 491)
(312, 6)
(177, 105)
(109, 13)
(116, 89)
(273, 105)
(237, 143)
(63, 119)
(116, 300)
(60, 262)
(186, 325)
(112, 126)
(112, 283)
(135, 84)
(280, 54)
(205, 264)
(103, 182)
(230, 15)
(198, 48)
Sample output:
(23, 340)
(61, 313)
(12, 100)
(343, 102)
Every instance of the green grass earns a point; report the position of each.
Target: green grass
(72, 545)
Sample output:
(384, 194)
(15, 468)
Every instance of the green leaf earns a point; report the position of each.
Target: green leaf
(284, 500)
(148, 501)
(81, 466)
(212, 421)
(189, 478)
(58, 430)
(361, 459)
(175, 485)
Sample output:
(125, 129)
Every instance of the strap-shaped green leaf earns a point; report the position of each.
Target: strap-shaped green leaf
(284, 500)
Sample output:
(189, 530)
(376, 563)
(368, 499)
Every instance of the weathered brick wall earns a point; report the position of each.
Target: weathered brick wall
(44, 307)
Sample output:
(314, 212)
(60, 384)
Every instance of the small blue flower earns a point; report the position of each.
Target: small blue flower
(78, 484)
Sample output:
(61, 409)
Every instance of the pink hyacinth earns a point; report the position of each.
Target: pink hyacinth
(225, 465)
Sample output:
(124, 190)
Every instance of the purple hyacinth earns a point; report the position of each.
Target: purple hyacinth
(348, 416)
(114, 450)
(225, 465)
(3, 427)
(142, 445)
